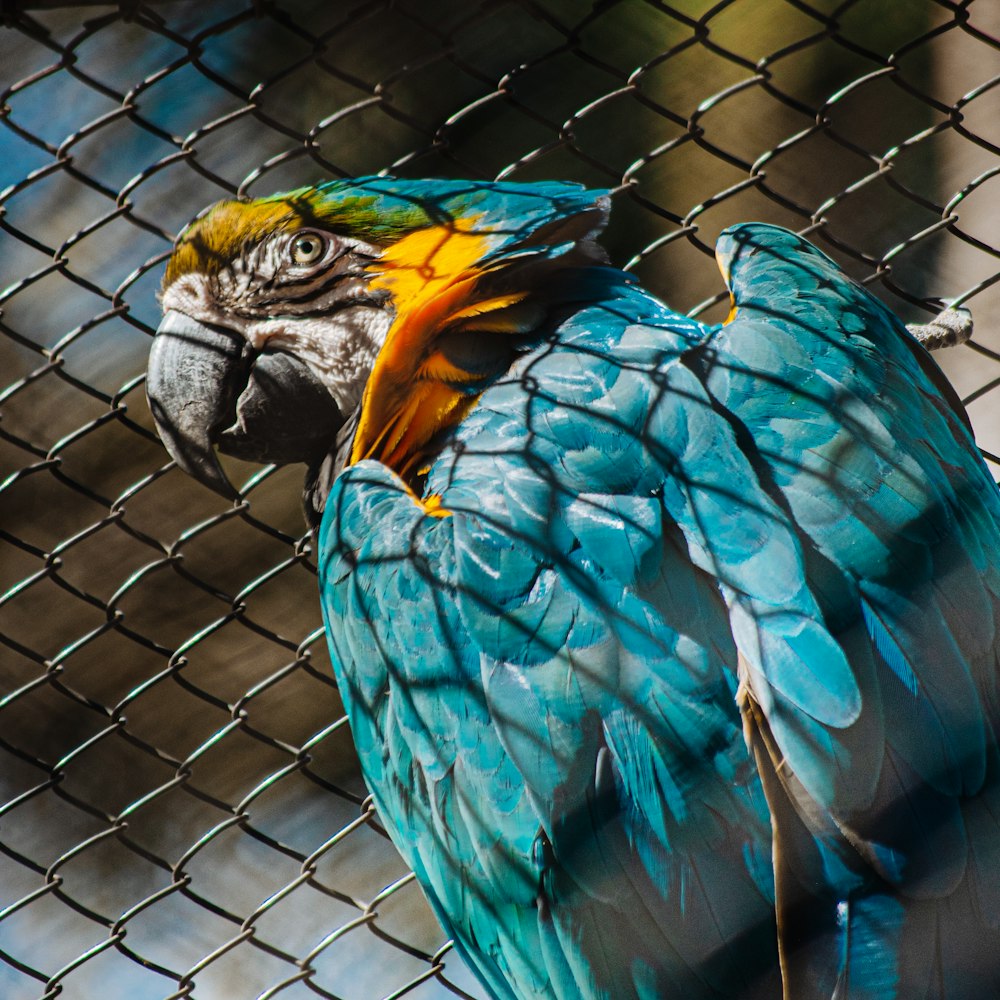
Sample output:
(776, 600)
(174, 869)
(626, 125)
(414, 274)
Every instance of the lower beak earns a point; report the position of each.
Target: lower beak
(207, 387)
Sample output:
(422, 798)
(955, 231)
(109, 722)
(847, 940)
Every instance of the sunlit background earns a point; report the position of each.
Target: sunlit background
(180, 808)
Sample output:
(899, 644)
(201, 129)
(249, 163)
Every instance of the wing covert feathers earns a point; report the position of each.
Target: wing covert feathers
(647, 516)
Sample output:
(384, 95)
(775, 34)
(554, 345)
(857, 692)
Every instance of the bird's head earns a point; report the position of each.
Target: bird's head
(356, 319)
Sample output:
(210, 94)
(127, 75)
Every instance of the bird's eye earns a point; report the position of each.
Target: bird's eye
(307, 248)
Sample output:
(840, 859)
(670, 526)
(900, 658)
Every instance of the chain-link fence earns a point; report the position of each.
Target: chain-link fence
(180, 808)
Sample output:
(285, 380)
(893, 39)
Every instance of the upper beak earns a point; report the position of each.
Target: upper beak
(207, 387)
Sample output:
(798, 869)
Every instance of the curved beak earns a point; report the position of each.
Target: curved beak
(207, 387)
(195, 374)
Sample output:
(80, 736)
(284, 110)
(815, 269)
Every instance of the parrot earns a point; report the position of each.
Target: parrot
(668, 647)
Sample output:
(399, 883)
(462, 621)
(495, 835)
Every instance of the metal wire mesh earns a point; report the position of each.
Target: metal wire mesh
(181, 809)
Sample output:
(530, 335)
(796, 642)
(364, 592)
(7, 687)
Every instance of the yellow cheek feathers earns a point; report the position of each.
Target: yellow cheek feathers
(414, 390)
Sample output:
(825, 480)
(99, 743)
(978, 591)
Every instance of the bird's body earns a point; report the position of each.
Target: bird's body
(542, 684)
(576, 534)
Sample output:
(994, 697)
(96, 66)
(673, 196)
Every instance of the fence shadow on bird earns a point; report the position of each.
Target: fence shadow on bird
(609, 605)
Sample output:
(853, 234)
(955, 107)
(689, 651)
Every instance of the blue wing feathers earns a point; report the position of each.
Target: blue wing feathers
(554, 639)
(911, 527)
(543, 685)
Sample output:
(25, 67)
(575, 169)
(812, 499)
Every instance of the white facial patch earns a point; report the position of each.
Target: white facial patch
(341, 349)
(323, 312)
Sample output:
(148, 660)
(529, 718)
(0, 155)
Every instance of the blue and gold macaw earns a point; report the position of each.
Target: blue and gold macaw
(611, 593)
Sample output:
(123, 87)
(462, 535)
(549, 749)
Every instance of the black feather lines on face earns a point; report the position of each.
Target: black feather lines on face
(257, 279)
(281, 413)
